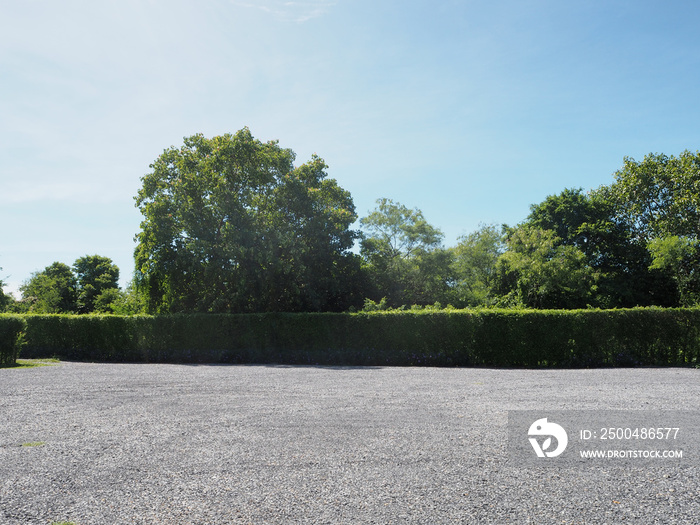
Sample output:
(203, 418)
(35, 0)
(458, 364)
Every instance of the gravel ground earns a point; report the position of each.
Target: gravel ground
(172, 444)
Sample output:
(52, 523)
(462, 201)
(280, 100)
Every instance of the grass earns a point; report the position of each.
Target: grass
(34, 444)
(34, 363)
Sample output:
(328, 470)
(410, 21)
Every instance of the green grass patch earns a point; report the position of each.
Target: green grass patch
(34, 444)
(33, 363)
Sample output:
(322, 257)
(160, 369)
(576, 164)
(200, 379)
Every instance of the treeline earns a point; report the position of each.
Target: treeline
(231, 226)
(89, 286)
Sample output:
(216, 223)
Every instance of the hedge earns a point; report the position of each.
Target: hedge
(12, 329)
(502, 338)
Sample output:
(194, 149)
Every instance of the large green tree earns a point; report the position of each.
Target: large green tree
(475, 258)
(659, 195)
(53, 290)
(230, 225)
(539, 271)
(660, 198)
(620, 259)
(96, 276)
(404, 257)
(679, 258)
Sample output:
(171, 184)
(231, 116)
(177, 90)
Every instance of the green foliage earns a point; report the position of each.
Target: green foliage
(5, 300)
(545, 272)
(129, 301)
(97, 279)
(53, 290)
(403, 255)
(617, 257)
(670, 252)
(106, 301)
(58, 289)
(660, 198)
(680, 257)
(231, 226)
(660, 195)
(431, 337)
(373, 306)
(12, 330)
(8, 304)
(396, 230)
(474, 265)
(571, 215)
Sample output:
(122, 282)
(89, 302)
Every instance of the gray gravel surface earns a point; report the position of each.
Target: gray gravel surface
(142, 443)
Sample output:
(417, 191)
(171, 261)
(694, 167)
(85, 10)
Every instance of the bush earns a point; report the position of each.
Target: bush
(11, 335)
(503, 338)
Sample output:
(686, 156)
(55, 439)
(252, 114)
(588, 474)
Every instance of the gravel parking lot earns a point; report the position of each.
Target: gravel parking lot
(176, 444)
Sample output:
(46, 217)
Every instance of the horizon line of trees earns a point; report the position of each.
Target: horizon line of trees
(89, 286)
(231, 225)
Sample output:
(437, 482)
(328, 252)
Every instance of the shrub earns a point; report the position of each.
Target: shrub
(503, 338)
(11, 336)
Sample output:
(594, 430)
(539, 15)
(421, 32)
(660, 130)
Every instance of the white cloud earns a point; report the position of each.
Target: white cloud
(292, 11)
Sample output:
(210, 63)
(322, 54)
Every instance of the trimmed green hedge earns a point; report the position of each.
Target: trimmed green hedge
(12, 329)
(503, 338)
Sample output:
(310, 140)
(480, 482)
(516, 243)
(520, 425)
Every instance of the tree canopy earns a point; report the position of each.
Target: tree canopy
(475, 260)
(546, 273)
(230, 225)
(658, 196)
(53, 290)
(97, 283)
(91, 285)
(403, 256)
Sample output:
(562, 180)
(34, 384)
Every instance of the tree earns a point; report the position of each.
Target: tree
(53, 290)
(121, 302)
(5, 300)
(403, 255)
(620, 260)
(475, 258)
(538, 271)
(574, 217)
(660, 198)
(311, 267)
(660, 195)
(96, 276)
(230, 225)
(398, 231)
(103, 303)
(680, 257)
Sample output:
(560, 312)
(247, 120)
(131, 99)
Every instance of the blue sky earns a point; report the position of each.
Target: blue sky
(468, 110)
